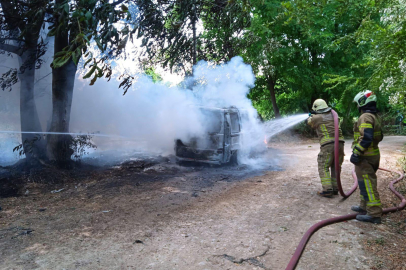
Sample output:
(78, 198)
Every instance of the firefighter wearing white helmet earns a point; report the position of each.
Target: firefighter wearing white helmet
(322, 121)
(366, 156)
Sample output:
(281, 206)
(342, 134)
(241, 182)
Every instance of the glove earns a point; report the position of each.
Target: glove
(355, 159)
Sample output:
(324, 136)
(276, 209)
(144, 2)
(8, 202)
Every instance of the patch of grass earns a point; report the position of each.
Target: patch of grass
(379, 264)
(398, 226)
(402, 162)
(380, 241)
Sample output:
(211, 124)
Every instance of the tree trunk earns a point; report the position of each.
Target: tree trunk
(271, 88)
(28, 29)
(63, 80)
(194, 43)
(28, 110)
(194, 56)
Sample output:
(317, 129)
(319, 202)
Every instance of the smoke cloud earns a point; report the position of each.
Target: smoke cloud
(151, 116)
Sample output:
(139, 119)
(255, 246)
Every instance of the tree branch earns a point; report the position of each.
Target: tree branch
(10, 48)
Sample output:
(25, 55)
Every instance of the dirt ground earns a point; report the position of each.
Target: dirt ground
(162, 216)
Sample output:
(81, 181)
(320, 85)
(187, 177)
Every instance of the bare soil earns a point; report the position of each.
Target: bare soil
(149, 214)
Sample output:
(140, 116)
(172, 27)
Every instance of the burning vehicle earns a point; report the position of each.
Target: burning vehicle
(221, 143)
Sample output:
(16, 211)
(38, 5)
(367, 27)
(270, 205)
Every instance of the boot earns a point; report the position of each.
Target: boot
(367, 218)
(358, 209)
(326, 194)
(335, 192)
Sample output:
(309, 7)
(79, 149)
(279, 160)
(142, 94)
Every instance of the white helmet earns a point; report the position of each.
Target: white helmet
(364, 97)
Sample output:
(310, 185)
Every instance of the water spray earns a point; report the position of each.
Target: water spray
(276, 126)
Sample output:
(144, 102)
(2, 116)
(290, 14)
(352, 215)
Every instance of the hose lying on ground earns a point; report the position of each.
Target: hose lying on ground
(300, 248)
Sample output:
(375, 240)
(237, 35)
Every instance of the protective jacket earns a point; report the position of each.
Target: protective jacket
(367, 134)
(323, 123)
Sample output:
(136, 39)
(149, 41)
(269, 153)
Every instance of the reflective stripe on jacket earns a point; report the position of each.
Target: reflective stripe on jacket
(368, 134)
(323, 123)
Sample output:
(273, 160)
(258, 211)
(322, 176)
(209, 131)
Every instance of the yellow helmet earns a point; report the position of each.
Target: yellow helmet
(320, 105)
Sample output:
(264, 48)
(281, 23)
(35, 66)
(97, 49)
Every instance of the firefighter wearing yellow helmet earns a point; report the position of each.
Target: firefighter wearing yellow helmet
(366, 156)
(322, 121)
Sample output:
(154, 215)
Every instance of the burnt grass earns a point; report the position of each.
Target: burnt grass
(14, 178)
(138, 171)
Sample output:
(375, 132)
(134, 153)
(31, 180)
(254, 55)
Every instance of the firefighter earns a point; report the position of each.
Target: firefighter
(365, 156)
(322, 121)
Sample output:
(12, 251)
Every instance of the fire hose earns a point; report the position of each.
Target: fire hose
(306, 237)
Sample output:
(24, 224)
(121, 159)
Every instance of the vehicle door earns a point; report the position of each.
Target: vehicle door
(227, 138)
(235, 130)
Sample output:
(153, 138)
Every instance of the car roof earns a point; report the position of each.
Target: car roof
(233, 109)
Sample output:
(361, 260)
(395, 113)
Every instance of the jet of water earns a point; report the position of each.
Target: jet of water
(276, 126)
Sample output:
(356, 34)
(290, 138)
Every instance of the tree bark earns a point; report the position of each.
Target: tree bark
(27, 53)
(194, 56)
(28, 110)
(58, 146)
(63, 80)
(271, 88)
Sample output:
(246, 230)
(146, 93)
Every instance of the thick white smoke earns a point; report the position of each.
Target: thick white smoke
(153, 115)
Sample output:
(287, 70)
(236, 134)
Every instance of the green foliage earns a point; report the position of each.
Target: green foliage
(20, 24)
(304, 47)
(85, 21)
(153, 74)
(165, 29)
(299, 50)
(326, 49)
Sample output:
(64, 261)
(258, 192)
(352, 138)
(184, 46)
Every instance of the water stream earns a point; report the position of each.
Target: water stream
(273, 127)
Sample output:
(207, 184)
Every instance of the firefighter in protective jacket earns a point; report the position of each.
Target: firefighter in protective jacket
(366, 157)
(322, 121)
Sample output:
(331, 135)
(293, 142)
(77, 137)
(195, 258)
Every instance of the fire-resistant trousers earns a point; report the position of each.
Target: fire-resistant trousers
(368, 182)
(326, 165)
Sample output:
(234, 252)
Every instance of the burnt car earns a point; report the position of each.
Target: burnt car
(221, 143)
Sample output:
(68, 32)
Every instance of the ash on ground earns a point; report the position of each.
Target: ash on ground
(133, 169)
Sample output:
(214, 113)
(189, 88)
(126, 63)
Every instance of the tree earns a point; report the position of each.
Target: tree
(74, 25)
(275, 49)
(223, 28)
(169, 30)
(300, 48)
(385, 30)
(20, 23)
